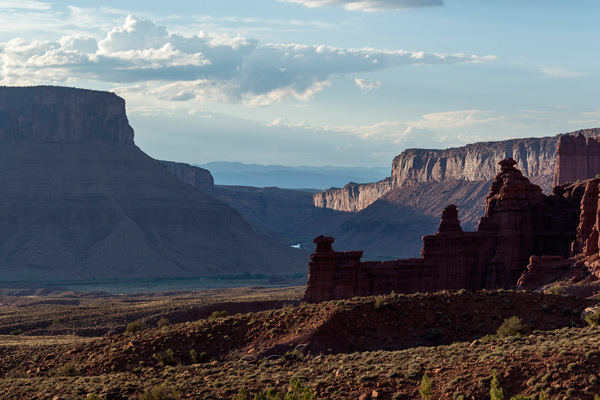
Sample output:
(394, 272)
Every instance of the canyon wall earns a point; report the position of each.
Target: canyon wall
(79, 200)
(198, 177)
(474, 162)
(352, 197)
(59, 114)
(519, 221)
(577, 157)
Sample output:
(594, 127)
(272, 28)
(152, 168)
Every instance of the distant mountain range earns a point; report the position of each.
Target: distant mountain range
(305, 177)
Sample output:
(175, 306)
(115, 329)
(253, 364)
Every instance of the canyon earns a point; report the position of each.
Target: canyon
(471, 163)
(81, 201)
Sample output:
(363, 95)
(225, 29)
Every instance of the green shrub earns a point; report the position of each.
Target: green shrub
(218, 314)
(163, 322)
(513, 326)
(299, 391)
(68, 369)
(555, 289)
(242, 395)
(295, 355)
(160, 393)
(165, 357)
(425, 390)
(593, 319)
(496, 392)
(133, 327)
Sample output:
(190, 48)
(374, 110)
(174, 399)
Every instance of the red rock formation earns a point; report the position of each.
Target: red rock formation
(450, 222)
(577, 157)
(514, 228)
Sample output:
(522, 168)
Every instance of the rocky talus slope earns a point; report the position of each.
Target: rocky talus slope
(80, 200)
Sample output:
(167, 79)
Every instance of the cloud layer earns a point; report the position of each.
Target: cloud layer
(143, 57)
(370, 5)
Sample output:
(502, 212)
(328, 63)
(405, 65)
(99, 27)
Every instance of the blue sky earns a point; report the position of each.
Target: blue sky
(316, 82)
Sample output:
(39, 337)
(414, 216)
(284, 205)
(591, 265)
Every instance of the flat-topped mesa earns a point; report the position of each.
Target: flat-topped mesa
(520, 221)
(60, 114)
(577, 157)
(473, 162)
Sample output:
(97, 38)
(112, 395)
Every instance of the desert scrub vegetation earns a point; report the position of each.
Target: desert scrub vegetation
(133, 327)
(161, 393)
(68, 369)
(593, 319)
(163, 322)
(297, 391)
(165, 358)
(513, 326)
(217, 315)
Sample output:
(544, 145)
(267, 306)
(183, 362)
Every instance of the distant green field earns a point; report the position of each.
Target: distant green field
(117, 286)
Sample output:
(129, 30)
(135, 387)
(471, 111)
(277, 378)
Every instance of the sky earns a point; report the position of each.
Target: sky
(316, 82)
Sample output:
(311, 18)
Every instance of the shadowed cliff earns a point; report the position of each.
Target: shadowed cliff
(79, 200)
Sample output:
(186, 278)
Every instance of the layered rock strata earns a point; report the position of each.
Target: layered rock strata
(198, 177)
(577, 157)
(352, 197)
(519, 221)
(79, 200)
(476, 162)
(583, 265)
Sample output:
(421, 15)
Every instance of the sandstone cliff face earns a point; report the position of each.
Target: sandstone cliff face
(198, 177)
(78, 201)
(352, 197)
(58, 114)
(519, 221)
(474, 162)
(577, 157)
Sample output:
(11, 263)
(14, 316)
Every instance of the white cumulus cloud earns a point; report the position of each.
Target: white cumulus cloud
(142, 57)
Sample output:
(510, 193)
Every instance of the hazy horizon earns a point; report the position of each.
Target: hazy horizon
(315, 82)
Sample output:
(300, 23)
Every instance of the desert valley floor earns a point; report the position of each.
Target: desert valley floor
(239, 343)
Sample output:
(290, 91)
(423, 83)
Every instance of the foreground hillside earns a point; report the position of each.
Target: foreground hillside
(258, 339)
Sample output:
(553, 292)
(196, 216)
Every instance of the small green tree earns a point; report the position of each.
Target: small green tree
(133, 327)
(425, 390)
(496, 392)
(242, 395)
(513, 326)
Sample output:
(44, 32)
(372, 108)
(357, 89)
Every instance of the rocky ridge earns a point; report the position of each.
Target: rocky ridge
(473, 162)
(519, 221)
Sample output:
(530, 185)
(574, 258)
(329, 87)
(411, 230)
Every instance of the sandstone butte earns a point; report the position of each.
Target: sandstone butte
(472, 163)
(519, 221)
(79, 200)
